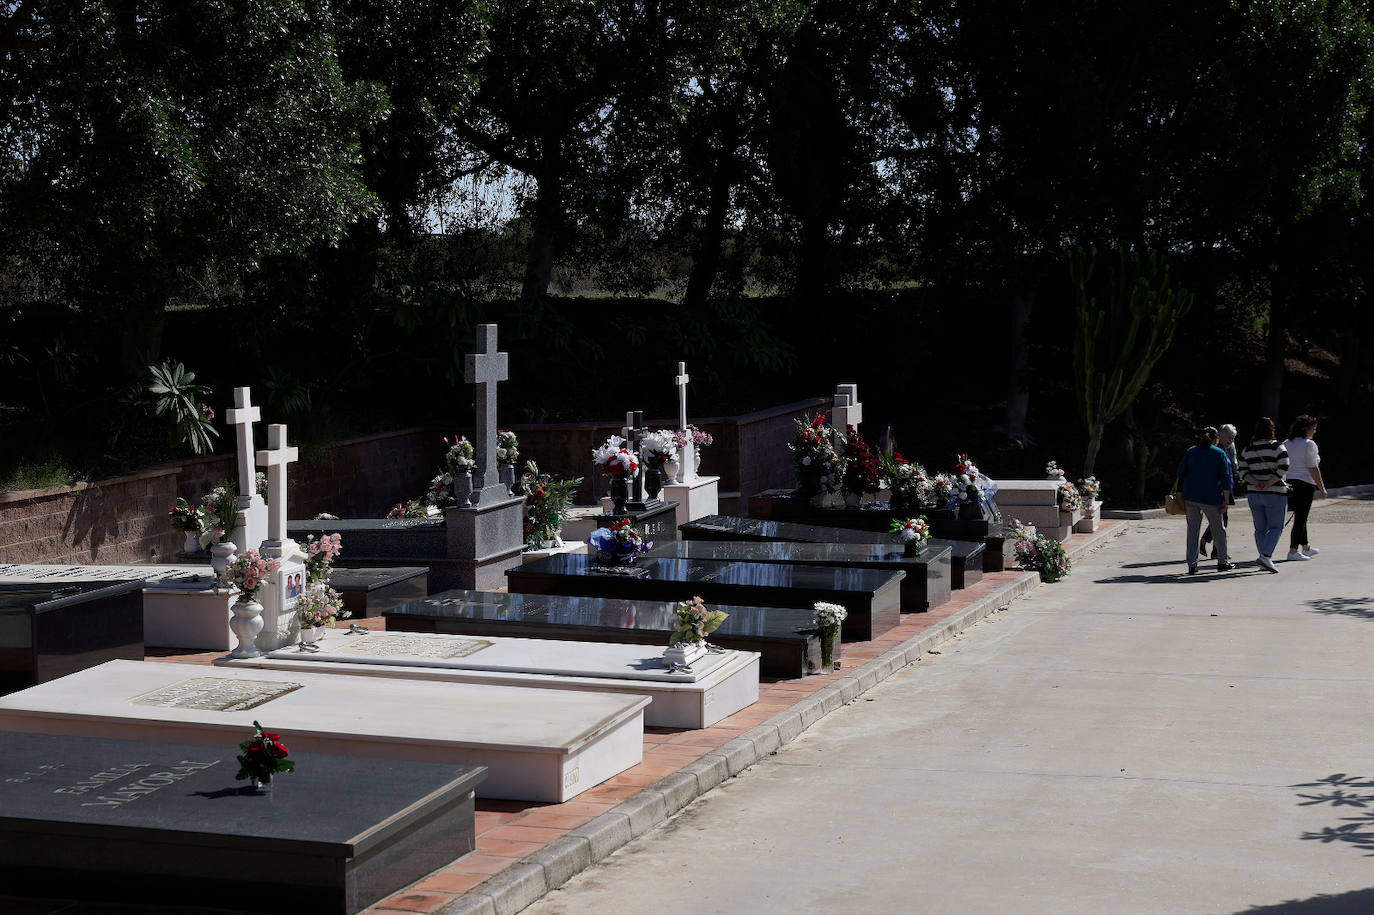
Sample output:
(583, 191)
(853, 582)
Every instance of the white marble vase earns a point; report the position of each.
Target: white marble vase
(246, 625)
(684, 653)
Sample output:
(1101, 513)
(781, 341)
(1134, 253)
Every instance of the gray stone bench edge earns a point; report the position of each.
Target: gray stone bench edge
(525, 882)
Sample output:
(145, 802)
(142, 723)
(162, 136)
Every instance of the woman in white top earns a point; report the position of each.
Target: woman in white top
(1305, 482)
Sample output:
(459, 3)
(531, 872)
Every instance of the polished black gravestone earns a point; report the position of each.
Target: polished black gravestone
(785, 506)
(657, 522)
(872, 597)
(147, 822)
(729, 527)
(51, 630)
(787, 640)
(966, 561)
(928, 574)
(372, 591)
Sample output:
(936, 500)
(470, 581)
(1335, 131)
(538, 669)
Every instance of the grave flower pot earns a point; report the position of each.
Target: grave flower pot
(246, 625)
(192, 544)
(309, 635)
(971, 511)
(696, 460)
(853, 500)
(221, 557)
(620, 493)
(505, 473)
(462, 486)
(671, 469)
(829, 636)
(684, 653)
(653, 484)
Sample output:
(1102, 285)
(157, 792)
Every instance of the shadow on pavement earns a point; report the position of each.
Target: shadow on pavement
(1361, 901)
(1358, 607)
(1181, 577)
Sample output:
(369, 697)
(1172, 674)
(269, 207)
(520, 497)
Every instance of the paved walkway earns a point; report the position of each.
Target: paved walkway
(1130, 740)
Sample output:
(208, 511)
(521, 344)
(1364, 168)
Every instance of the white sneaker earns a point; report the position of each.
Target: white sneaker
(1310, 552)
(1268, 564)
(1296, 556)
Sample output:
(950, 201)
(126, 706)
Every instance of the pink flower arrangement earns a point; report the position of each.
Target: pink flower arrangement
(320, 555)
(249, 573)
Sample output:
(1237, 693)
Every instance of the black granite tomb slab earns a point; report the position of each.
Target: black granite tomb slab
(657, 522)
(872, 596)
(372, 591)
(966, 561)
(728, 527)
(927, 583)
(786, 640)
(147, 822)
(51, 630)
(404, 538)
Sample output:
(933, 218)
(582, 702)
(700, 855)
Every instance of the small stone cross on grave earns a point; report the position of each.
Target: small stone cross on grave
(688, 458)
(847, 410)
(250, 527)
(485, 368)
(633, 430)
(275, 459)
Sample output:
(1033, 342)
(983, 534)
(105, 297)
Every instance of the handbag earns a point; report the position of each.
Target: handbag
(1173, 504)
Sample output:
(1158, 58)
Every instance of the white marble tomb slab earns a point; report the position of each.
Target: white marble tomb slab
(718, 685)
(19, 573)
(538, 745)
(1026, 492)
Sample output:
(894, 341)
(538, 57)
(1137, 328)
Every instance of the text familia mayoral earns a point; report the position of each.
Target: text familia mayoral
(96, 786)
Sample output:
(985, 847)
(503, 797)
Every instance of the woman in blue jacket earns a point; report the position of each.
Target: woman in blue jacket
(1205, 475)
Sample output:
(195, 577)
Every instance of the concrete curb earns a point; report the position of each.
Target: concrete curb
(520, 885)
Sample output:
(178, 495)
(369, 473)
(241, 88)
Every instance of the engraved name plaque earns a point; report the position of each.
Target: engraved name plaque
(396, 645)
(216, 694)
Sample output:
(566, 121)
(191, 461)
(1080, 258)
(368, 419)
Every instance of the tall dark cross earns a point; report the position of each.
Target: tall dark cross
(633, 431)
(485, 368)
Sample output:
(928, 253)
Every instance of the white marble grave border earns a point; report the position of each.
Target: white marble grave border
(521, 884)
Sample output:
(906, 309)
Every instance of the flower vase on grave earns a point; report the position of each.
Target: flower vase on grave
(505, 473)
(853, 500)
(462, 487)
(671, 469)
(246, 625)
(828, 636)
(696, 460)
(913, 548)
(221, 557)
(310, 634)
(192, 544)
(620, 494)
(653, 484)
(971, 511)
(683, 653)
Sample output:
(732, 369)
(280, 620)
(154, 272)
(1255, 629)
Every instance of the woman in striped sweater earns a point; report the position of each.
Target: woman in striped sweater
(1263, 465)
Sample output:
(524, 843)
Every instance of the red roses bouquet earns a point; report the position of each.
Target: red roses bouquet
(263, 756)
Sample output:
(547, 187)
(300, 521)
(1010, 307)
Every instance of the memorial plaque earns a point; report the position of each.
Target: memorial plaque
(786, 640)
(658, 522)
(398, 645)
(150, 822)
(216, 694)
(872, 597)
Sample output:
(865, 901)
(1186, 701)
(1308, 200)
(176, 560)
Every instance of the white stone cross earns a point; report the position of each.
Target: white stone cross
(485, 368)
(275, 459)
(243, 415)
(848, 411)
(688, 471)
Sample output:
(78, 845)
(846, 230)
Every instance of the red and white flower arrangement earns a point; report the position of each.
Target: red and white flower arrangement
(912, 530)
(658, 448)
(819, 468)
(614, 459)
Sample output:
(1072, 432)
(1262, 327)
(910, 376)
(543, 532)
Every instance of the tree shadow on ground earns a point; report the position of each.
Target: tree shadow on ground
(1356, 901)
(1342, 790)
(1359, 607)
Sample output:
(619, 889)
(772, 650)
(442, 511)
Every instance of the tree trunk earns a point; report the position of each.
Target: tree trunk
(544, 236)
(706, 262)
(1018, 392)
(1275, 347)
(1094, 445)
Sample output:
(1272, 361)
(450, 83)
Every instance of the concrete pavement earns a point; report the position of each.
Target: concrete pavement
(1129, 740)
